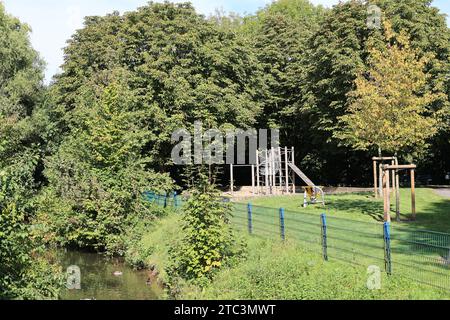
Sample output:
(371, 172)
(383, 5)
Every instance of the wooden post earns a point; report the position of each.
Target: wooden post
(387, 217)
(231, 180)
(397, 196)
(388, 193)
(397, 188)
(398, 176)
(380, 176)
(375, 178)
(393, 177)
(413, 194)
(286, 168)
(293, 173)
(253, 179)
(257, 173)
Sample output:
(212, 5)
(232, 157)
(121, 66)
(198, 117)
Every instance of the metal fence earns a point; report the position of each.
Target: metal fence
(420, 255)
(171, 200)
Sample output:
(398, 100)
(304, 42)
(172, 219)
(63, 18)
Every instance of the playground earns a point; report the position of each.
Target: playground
(432, 207)
(416, 220)
(276, 179)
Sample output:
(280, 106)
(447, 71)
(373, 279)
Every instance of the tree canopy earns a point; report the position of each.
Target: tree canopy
(389, 108)
(22, 268)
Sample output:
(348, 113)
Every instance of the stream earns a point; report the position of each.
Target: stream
(103, 278)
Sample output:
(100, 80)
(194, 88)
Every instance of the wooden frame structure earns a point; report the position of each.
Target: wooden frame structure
(394, 169)
(378, 174)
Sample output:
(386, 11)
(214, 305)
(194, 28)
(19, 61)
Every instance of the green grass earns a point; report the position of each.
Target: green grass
(152, 249)
(433, 211)
(296, 269)
(286, 271)
(355, 231)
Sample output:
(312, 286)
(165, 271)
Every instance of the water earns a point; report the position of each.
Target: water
(99, 282)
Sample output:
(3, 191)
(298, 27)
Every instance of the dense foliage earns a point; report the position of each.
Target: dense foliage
(97, 176)
(24, 274)
(339, 52)
(388, 109)
(208, 241)
(25, 271)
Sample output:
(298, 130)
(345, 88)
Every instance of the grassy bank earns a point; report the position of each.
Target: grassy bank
(151, 250)
(275, 270)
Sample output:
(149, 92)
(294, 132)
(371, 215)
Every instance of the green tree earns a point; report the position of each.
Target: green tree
(24, 273)
(20, 92)
(338, 54)
(208, 242)
(97, 177)
(182, 68)
(389, 109)
(279, 35)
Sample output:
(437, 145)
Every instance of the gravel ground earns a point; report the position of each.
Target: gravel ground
(443, 192)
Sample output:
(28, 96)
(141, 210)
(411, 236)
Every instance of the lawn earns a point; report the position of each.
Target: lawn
(287, 271)
(272, 269)
(355, 231)
(433, 210)
(296, 269)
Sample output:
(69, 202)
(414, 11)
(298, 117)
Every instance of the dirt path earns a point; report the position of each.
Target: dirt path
(443, 192)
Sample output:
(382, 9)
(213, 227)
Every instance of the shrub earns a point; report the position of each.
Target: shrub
(208, 242)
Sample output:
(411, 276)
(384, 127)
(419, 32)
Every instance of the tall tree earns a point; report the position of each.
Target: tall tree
(23, 273)
(279, 34)
(338, 53)
(389, 109)
(182, 66)
(98, 175)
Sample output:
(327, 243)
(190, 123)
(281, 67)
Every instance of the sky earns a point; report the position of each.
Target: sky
(54, 21)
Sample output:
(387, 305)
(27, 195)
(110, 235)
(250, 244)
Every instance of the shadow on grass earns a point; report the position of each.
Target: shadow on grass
(434, 216)
(367, 207)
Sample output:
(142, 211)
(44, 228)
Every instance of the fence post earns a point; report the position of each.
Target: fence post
(175, 199)
(282, 228)
(387, 247)
(165, 200)
(250, 222)
(323, 220)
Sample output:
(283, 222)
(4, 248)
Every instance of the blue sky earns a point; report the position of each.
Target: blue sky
(54, 21)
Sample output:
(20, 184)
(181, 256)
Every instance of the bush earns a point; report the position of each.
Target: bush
(24, 272)
(208, 242)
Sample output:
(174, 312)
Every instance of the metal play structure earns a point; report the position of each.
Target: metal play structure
(275, 173)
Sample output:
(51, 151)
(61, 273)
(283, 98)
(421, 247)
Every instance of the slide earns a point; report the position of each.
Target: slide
(301, 175)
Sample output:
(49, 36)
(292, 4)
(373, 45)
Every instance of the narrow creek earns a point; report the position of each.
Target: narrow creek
(104, 278)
